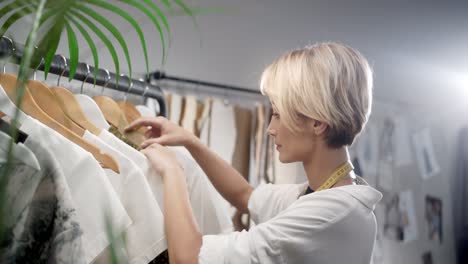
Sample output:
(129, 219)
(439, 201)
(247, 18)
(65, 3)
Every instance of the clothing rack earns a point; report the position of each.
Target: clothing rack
(229, 91)
(85, 73)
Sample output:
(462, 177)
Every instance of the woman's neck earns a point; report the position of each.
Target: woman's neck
(323, 163)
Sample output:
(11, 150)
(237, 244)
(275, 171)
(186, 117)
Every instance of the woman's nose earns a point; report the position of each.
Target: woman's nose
(271, 131)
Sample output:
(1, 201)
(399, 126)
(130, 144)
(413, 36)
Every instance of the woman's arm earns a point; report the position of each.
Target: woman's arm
(184, 240)
(229, 183)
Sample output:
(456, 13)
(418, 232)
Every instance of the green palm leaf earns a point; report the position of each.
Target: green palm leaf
(131, 20)
(17, 15)
(104, 39)
(150, 15)
(73, 49)
(160, 14)
(92, 46)
(108, 25)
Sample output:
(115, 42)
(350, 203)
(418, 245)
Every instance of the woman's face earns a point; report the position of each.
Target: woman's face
(294, 147)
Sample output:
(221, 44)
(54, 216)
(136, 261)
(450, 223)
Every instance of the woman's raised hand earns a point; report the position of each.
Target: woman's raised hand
(162, 131)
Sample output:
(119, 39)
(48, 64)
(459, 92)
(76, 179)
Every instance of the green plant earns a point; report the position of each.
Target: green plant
(57, 18)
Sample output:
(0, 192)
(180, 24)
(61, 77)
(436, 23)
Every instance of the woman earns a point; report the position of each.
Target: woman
(321, 97)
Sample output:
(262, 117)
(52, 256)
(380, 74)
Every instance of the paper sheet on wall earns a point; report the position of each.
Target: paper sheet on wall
(408, 216)
(367, 151)
(403, 155)
(385, 176)
(425, 155)
(400, 218)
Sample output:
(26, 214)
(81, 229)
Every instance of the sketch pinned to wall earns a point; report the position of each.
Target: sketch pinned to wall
(434, 218)
(400, 218)
(385, 175)
(392, 227)
(367, 151)
(408, 216)
(427, 258)
(386, 178)
(425, 156)
(402, 154)
(387, 141)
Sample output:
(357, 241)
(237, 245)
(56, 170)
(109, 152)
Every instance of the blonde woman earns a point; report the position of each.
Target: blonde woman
(321, 97)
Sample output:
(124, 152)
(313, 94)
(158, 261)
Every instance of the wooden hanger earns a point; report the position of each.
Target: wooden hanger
(129, 110)
(73, 110)
(115, 116)
(132, 114)
(51, 105)
(29, 106)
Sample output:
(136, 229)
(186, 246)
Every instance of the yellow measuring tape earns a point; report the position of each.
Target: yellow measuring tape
(339, 173)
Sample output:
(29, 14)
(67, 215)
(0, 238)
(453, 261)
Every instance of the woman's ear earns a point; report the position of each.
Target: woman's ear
(319, 127)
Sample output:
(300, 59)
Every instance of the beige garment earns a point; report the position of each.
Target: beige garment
(176, 109)
(199, 116)
(189, 114)
(204, 122)
(241, 156)
(259, 138)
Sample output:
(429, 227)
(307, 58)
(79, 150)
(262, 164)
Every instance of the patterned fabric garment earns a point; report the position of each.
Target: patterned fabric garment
(115, 131)
(41, 226)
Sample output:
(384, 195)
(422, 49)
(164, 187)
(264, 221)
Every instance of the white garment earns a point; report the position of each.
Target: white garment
(153, 105)
(145, 237)
(92, 111)
(223, 130)
(145, 111)
(333, 226)
(210, 215)
(176, 108)
(190, 114)
(91, 191)
(223, 135)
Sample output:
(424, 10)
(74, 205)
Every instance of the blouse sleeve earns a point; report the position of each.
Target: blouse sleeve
(268, 200)
(240, 247)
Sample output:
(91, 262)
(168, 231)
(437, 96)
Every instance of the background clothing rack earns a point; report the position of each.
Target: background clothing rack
(9, 48)
(229, 92)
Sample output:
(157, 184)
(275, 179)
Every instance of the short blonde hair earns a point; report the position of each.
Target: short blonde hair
(329, 82)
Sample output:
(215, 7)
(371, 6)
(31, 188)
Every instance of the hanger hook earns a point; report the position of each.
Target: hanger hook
(130, 86)
(12, 52)
(86, 77)
(35, 70)
(65, 65)
(107, 80)
(144, 91)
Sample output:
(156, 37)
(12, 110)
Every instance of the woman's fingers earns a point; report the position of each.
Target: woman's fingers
(162, 140)
(147, 122)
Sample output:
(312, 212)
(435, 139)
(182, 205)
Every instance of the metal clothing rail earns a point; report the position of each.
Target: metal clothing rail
(159, 75)
(85, 73)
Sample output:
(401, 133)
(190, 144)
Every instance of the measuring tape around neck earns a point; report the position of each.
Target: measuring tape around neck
(339, 173)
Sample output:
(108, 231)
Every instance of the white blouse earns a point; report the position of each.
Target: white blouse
(337, 225)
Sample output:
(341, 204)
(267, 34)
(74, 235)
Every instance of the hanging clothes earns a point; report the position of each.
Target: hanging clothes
(189, 115)
(41, 223)
(241, 156)
(145, 237)
(91, 191)
(211, 218)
